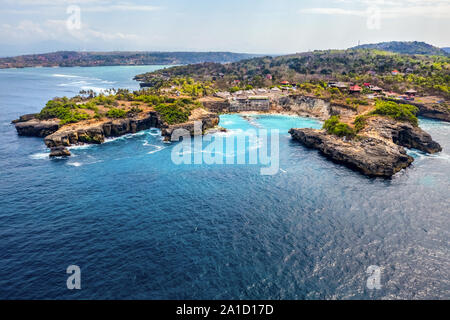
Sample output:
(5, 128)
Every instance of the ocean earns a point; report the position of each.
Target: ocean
(140, 226)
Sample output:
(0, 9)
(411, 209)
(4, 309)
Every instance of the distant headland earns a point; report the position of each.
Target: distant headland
(117, 58)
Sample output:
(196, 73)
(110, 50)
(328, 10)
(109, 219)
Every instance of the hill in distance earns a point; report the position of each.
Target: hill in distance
(446, 49)
(403, 47)
(425, 73)
(89, 59)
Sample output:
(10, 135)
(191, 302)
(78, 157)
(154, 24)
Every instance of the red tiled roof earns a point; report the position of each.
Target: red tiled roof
(355, 88)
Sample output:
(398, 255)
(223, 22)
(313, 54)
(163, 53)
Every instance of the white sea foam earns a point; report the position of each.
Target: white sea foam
(74, 84)
(80, 147)
(58, 75)
(440, 156)
(39, 156)
(75, 164)
(159, 148)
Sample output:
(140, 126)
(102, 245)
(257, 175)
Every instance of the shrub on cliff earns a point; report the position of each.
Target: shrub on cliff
(360, 123)
(116, 113)
(401, 112)
(64, 109)
(234, 89)
(74, 117)
(134, 111)
(56, 108)
(334, 126)
(104, 100)
(173, 113)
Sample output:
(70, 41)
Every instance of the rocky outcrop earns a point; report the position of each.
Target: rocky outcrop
(432, 111)
(95, 132)
(371, 156)
(36, 128)
(439, 112)
(59, 152)
(378, 150)
(401, 133)
(25, 117)
(206, 122)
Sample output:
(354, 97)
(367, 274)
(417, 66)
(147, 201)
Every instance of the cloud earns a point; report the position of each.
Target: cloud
(27, 30)
(120, 7)
(387, 9)
(334, 11)
(36, 6)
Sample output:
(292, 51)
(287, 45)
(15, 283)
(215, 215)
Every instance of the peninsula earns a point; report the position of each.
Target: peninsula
(118, 58)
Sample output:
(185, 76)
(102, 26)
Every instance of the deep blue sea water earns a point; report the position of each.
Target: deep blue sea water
(141, 227)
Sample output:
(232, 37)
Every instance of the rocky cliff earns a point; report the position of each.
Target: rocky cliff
(372, 157)
(96, 131)
(377, 151)
(432, 111)
(29, 126)
(312, 106)
(438, 112)
(401, 133)
(207, 122)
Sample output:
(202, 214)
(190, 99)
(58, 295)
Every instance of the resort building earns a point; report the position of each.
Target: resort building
(411, 93)
(253, 103)
(376, 89)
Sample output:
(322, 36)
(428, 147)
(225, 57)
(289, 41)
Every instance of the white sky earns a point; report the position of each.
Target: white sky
(256, 26)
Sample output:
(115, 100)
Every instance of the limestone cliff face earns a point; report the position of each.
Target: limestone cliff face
(311, 106)
(434, 111)
(377, 151)
(30, 126)
(401, 133)
(207, 122)
(294, 103)
(438, 112)
(95, 132)
(371, 156)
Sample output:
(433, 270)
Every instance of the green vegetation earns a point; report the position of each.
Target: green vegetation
(413, 47)
(65, 110)
(360, 122)
(187, 86)
(116, 113)
(134, 111)
(172, 113)
(83, 59)
(427, 74)
(340, 129)
(401, 112)
(113, 104)
(234, 89)
(178, 111)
